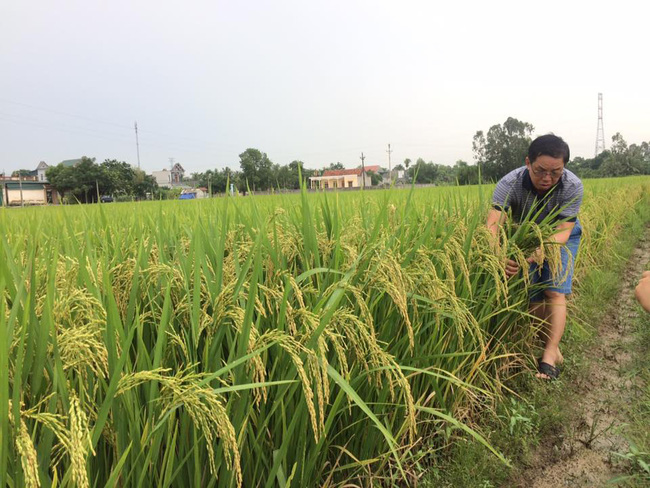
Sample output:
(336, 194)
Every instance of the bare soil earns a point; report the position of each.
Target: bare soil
(582, 452)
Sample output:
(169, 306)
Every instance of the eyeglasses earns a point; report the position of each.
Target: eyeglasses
(556, 173)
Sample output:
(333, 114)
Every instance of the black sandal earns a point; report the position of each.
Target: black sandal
(553, 372)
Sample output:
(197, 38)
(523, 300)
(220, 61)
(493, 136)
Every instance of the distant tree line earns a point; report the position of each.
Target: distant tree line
(496, 152)
(501, 149)
(82, 182)
(619, 160)
(505, 146)
(257, 173)
(21, 172)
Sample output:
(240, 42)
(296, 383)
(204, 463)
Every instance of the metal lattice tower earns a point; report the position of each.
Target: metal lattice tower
(600, 133)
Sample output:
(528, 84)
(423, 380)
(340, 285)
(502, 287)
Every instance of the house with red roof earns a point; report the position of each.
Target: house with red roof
(341, 178)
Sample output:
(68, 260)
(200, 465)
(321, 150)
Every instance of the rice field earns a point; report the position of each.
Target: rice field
(294, 340)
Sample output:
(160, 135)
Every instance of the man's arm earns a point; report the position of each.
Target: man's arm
(563, 232)
(495, 219)
(561, 236)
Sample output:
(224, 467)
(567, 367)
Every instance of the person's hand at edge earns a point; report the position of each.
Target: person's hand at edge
(643, 291)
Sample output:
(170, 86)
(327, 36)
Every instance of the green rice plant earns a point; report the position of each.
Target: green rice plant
(292, 340)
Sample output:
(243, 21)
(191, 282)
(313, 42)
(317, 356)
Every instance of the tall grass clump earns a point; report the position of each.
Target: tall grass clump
(316, 339)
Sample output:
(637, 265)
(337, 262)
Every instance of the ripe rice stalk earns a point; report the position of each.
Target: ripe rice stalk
(208, 414)
(26, 451)
(193, 331)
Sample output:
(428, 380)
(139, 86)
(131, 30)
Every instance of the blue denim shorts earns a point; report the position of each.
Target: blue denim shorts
(545, 281)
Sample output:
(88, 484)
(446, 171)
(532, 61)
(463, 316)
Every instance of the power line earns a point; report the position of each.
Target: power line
(75, 130)
(98, 121)
(57, 112)
(123, 138)
(173, 145)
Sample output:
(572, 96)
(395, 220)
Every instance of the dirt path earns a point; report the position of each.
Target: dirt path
(580, 454)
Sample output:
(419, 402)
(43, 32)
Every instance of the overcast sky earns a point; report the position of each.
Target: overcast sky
(315, 81)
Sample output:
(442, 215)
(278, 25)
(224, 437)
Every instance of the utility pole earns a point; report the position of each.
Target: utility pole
(600, 133)
(363, 171)
(137, 143)
(390, 175)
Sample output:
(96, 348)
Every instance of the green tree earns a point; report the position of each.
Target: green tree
(256, 169)
(89, 177)
(21, 172)
(466, 174)
(587, 167)
(335, 166)
(118, 177)
(296, 169)
(205, 179)
(282, 176)
(623, 160)
(142, 184)
(61, 178)
(644, 154)
(218, 181)
(375, 179)
(445, 175)
(503, 148)
(81, 181)
(227, 177)
(423, 172)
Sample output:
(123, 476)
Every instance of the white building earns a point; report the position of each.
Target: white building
(341, 178)
(167, 178)
(40, 171)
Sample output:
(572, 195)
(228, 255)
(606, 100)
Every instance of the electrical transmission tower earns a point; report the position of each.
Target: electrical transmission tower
(600, 133)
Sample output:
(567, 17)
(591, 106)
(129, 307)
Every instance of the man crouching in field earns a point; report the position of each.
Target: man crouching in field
(544, 187)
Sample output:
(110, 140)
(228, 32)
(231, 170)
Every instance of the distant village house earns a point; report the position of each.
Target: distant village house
(32, 188)
(342, 178)
(27, 189)
(167, 178)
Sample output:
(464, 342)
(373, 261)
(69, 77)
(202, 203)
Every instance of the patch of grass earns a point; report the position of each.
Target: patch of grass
(637, 431)
(484, 471)
(515, 430)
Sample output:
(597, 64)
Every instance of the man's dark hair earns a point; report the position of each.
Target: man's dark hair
(548, 145)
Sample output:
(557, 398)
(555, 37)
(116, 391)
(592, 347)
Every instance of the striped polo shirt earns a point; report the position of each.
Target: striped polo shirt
(515, 192)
